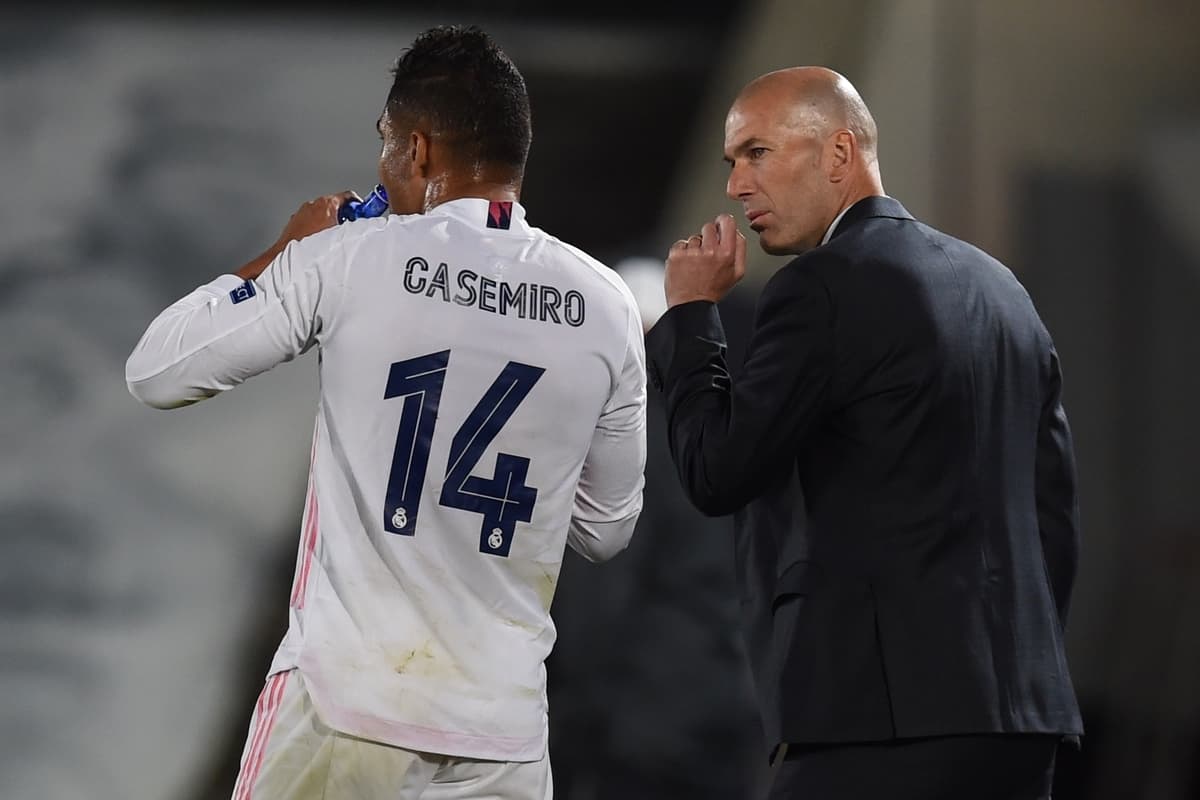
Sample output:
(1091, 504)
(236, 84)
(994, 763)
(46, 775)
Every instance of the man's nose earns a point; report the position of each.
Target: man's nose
(737, 187)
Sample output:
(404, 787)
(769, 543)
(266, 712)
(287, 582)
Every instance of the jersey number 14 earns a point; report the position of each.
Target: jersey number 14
(504, 499)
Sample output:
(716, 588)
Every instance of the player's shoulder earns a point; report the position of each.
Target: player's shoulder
(368, 228)
(361, 240)
(390, 224)
(591, 270)
(339, 237)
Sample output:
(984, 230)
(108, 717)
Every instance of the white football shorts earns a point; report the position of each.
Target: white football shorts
(291, 755)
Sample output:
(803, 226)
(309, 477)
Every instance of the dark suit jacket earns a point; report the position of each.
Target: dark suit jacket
(905, 379)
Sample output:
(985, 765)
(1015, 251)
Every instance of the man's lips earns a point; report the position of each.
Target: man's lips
(751, 216)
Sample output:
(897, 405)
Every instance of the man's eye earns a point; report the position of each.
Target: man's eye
(757, 152)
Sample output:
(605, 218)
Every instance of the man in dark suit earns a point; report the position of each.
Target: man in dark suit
(913, 621)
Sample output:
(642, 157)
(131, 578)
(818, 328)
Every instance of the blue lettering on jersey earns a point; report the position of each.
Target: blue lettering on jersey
(502, 500)
(243, 292)
(538, 302)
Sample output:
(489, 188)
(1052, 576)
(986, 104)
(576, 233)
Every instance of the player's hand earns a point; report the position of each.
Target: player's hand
(706, 265)
(314, 216)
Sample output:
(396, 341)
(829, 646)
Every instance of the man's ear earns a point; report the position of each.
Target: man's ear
(845, 153)
(418, 153)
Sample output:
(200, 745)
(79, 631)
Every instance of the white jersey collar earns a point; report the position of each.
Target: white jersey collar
(494, 214)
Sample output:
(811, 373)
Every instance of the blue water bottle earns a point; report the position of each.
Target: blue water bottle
(374, 205)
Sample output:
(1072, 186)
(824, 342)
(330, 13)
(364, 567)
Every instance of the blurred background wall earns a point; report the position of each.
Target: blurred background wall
(144, 557)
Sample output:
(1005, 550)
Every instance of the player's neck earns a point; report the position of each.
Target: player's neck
(446, 188)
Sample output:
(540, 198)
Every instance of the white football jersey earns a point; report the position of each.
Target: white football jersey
(482, 404)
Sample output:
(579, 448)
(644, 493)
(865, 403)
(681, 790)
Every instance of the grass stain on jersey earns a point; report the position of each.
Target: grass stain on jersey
(545, 585)
(418, 660)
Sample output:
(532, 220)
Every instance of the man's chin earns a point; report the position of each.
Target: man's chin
(773, 247)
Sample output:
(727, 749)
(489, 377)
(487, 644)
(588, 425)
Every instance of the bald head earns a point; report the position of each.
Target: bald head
(819, 99)
(801, 146)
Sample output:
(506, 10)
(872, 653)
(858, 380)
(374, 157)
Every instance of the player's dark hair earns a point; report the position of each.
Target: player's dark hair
(456, 80)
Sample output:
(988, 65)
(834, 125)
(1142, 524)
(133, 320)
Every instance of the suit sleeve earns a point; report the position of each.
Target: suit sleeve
(229, 330)
(608, 498)
(1057, 501)
(729, 440)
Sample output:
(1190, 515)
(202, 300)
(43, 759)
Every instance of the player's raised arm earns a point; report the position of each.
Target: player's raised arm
(608, 499)
(242, 324)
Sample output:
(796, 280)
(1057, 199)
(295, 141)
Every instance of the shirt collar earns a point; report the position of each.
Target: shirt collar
(876, 205)
(833, 225)
(483, 213)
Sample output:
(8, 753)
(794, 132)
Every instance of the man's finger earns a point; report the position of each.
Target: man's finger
(336, 201)
(739, 252)
(728, 233)
(708, 236)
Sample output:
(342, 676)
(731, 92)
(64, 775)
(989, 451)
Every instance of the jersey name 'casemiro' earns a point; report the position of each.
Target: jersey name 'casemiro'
(468, 288)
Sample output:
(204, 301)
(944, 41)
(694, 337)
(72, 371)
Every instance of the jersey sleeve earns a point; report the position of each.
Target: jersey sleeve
(229, 330)
(608, 498)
